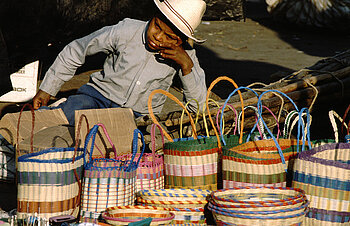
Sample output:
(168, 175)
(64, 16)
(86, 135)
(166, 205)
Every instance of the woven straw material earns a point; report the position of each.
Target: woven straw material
(47, 184)
(285, 211)
(106, 188)
(108, 182)
(191, 163)
(324, 174)
(258, 206)
(150, 173)
(258, 163)
(261, 207)
(227, 220)
(257, 196)
(123, 215)
(186, 204)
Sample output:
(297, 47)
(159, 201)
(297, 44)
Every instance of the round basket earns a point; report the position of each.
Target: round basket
(285, 211)
(174, 198)
(123, 215)
(251, 196)
(225, 218)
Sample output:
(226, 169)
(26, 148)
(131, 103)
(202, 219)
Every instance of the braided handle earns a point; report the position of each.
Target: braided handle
(172, 97)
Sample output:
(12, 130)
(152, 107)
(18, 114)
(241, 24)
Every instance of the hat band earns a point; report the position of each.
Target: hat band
(179, 16)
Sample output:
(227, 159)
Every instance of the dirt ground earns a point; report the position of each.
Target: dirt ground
(247, 51)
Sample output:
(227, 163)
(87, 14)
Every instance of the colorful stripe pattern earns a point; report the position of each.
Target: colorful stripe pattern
(191, 163)
(186, 204)
(324, 173)
(47, 183)
(106, 188)
(258, 163)
(150, 172)
(258, 206)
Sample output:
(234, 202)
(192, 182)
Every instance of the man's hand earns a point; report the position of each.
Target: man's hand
(177, 54)
(41, 99)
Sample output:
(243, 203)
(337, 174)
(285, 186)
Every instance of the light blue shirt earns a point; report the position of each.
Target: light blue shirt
(130, 72)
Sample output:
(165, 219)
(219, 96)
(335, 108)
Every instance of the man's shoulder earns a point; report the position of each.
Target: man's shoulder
(131, 24)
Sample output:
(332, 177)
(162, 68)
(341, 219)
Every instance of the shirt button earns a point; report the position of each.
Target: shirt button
(138, 83)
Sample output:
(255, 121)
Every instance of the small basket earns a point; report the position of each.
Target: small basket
(123, 215)
(186, 204)
(150, 172)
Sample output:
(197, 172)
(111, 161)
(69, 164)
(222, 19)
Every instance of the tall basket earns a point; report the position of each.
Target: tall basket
(49, 181)
(108, 182)
(324, 174)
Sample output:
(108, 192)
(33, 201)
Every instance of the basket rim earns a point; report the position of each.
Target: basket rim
(309, 155)
(236, 189)
(259, 217)
(176, 192)
(305, 205)
(172, 216)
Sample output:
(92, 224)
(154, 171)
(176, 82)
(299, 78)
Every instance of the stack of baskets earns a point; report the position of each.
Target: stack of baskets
(186, 204)
(258, 206)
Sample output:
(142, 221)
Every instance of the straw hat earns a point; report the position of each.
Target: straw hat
(186, 15)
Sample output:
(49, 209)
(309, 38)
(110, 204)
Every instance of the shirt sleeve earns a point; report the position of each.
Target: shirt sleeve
(73, 56)
(194, 84)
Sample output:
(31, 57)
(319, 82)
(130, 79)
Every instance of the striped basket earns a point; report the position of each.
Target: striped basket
(258, 206)
(123, 215)
(7, 160)
(186, 204)
(263, 162)
(49, 181)
(108, 182)
(324, 174)
(188, 163)
(150, 173)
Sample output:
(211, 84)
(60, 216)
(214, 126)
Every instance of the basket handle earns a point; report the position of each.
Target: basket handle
(31, 133)
(343, 121)
(217, 119)
(208, 110)
(172, 97)
(153, 139)
(74, 155)
(259, 105)
(183, 112)
(260, 125)
(135, 147)
(92, 136)
(224, 106)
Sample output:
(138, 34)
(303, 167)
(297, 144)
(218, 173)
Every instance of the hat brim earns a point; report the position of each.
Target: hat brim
(177, 22)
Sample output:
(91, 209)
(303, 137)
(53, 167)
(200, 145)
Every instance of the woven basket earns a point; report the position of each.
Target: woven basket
(108, 182)
(324, 174)
(150, 173)
(263, 162)
(49, 181)
(258, 206)
(188, 163)
(186, 204)
(123, 215)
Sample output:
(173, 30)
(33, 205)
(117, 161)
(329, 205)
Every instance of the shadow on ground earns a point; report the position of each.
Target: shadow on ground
(312, 41)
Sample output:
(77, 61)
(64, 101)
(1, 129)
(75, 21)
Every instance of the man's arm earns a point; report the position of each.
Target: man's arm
(71, 58)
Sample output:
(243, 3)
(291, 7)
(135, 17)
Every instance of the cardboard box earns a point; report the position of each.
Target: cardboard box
(120, 125)
(61, 136)
(43, 119)
(24, 83)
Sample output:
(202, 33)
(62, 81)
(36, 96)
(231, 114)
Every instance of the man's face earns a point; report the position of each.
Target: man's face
(159, 33)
